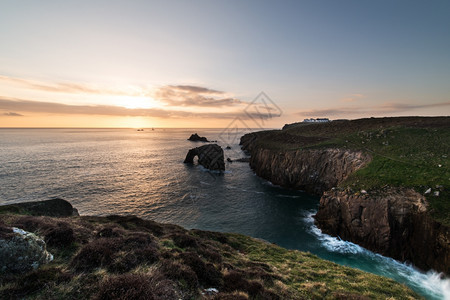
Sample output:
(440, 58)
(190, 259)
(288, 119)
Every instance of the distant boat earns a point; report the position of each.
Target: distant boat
(140, 130)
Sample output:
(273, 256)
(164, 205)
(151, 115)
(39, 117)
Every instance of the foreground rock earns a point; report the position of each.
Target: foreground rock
(196, 138)
(21, 251)
(210, 156)
(393, 222)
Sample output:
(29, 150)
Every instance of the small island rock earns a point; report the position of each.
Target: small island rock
(196, 138)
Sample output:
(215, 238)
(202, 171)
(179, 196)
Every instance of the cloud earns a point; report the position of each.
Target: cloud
(12, 114)
(109, 110)
(176, 95)
(195, 89)
(385, 108)
(69, 87)
(353, 98)
(193, 96)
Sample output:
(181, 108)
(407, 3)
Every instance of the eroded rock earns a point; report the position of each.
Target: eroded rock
(210, 156)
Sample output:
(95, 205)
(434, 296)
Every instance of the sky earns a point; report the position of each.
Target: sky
(215, 63)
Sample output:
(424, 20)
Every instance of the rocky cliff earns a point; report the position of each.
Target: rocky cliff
(397, 222)
(391, 221)
(314, 171)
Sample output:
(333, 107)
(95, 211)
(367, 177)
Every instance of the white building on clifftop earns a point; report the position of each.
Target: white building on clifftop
(318, 120)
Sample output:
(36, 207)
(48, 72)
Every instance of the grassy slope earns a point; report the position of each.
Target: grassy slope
(411, 152)
(127, 257)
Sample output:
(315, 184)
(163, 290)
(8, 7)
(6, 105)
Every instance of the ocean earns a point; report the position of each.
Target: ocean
(124, 171)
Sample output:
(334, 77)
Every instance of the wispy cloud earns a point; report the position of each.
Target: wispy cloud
(22, 105)
(70, 87)
(385, 108)
(353, 98)
(195, 96)
(12, 114)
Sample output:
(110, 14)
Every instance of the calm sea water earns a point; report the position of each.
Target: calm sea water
(123, 171)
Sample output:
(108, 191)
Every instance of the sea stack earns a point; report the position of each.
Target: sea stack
(210, 156)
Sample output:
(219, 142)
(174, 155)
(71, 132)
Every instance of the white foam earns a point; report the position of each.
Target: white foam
(434, 284)
(331, 243)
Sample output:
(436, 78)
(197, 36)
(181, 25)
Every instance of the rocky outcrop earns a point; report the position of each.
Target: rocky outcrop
(314, 171)
(210, 156)
(53, 208)
(196, 138)
(393, 222)
(21, 251)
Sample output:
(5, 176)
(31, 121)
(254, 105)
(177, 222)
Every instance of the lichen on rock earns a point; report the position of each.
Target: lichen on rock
(21, 251)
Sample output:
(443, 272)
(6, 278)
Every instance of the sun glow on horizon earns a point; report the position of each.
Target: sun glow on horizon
(136, 102)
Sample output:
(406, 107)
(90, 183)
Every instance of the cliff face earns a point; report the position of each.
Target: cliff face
(314, 171)
(393, 222)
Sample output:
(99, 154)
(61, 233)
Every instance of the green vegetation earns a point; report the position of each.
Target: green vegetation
(408, 152)
(125, 257)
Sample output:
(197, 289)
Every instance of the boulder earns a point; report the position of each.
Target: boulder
(21, 251)
(196, 138)
(210, 156)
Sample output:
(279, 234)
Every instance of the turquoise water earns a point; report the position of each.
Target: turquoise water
(122, 171)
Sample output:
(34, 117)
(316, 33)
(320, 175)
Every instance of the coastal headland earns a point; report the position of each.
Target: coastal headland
(383, 182)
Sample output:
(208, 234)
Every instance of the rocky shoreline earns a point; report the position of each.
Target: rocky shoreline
(393, 221)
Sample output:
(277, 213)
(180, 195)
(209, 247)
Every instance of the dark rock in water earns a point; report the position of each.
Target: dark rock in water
(196, 138)
(228, 148)
(209, 156)
(229, 159)
(52, 208)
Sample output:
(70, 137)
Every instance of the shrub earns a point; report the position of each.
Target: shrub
(216, 236)
(210, 255)
(234, 281)
(37, 280)
(61, 235)
(207, 274)
(136, 286)
(131, 260)
(110, 231)
(98, 253)
(184, 241)
(179, 272)
(133, 222)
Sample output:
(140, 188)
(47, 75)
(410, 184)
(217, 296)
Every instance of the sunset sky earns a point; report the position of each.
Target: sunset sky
(204, 63)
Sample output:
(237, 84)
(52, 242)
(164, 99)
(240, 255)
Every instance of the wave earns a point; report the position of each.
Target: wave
(431, 284)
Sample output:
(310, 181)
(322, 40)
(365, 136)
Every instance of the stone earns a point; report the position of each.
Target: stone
(196, 138)
(210, 156)
(21, 251)
(428, 191)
